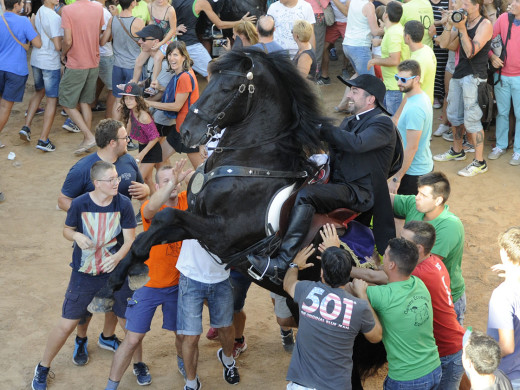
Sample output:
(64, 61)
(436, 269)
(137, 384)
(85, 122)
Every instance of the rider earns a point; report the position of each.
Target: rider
(361, 154)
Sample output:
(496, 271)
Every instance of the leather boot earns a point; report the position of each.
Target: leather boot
(301, 217)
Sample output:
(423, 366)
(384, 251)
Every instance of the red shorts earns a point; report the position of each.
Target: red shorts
(337, 30)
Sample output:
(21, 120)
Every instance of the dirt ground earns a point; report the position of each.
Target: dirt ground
(34, 258)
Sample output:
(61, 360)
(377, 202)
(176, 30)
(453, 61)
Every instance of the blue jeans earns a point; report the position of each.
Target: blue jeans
(48, 79)
(241, 284)
(507, 88)
(359, 57)
(393, 100)
(452, 371)
(430, 381)
(460, 308)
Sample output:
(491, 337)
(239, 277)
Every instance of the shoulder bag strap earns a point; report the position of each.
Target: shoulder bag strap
(43, 28)
(126, 31)
(24, 45)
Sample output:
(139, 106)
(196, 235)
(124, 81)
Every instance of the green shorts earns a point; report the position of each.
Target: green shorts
(78, 86)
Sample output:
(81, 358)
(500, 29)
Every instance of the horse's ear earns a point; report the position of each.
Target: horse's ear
(248, 65)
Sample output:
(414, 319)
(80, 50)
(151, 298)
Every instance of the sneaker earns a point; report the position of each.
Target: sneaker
(139, 218)
(448, 136)
(142, 373)
(69, 125)
(46, 146)
(287, 340)
(39, 111)
(467, 147)
(436, 103)
(99, 107)
(473, 169)
(180, 367)
(25, 134)
(186, 387)
(230, 373)
(441, 130)
(131, 146)
(333, 55)
(238, 348)
(80, 355)
(39, 381)
(212, 334)
(110, 344)
(323, 80)
(515, 160)
(450, 155)
(64, 113)
(496, 153)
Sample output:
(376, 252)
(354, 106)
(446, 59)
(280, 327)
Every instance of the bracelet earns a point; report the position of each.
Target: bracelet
(28, 1)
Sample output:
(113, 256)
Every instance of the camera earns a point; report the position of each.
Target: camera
(219, 42)
(458, 15)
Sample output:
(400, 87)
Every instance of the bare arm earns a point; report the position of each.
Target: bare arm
(57, 41)
(412, 144)
(67, 41)
(180, 99)
(203, 5)
(37, 42)
(392, 60)
(360, 289)
(483, 35)
(291, 277)
(343, 8)
(369, 12)
(506, 340)
(64, 202)
(304, 64)
(369, 275)
(107, 34)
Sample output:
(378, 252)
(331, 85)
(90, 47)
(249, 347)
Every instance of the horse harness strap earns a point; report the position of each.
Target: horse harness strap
(220, 149)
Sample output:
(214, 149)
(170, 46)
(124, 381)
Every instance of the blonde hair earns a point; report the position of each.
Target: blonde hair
(303, 30)
(510, 242)
(248, 30)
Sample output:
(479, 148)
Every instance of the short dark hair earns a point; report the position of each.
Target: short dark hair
(423, 234)
(411, 66)
(98, 167)
(163, 168)
(125, 4)
(439, 183)
(394, 10)
(263, 32)
(106, 131)
(415, 29)
(336, 264)
(404, 254)
(483, 351)
(510, 242)
(9, 4)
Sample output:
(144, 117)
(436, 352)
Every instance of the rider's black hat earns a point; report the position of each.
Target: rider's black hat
(371, 84)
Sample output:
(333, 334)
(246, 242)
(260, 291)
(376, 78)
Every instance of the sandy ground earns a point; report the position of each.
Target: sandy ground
(34, 258)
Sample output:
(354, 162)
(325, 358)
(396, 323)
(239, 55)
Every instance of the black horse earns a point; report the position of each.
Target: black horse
(272, 121)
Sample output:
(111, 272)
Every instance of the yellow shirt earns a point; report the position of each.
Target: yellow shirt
(426, 58)
(140, 11)
(393, 42)
(422, 11)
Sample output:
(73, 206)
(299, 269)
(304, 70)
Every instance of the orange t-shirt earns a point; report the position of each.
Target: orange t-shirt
(85, 19)
(163, 258)
(184, 86)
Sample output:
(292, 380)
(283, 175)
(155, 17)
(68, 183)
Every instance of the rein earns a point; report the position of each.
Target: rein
(220, 149)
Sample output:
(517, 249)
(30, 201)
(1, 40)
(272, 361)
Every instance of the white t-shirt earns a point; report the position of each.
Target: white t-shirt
(338, 15)
(284, 19)
(106, 51)
(196, 263)
(48, 25)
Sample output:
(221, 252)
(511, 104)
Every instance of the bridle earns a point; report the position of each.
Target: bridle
(213, 126)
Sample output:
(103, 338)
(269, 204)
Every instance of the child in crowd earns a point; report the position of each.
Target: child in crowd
(141, 127)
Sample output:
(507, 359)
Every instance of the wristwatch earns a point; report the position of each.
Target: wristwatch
(293, 265)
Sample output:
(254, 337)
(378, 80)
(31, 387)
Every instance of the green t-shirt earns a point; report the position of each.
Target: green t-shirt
(426, 58)
(406, 315)
(449, 243)
(422, 11)
(140, 11)
(393, 42)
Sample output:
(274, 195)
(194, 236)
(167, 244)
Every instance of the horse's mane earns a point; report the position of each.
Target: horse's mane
(306, 115)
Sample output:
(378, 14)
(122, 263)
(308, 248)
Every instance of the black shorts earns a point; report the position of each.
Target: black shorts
(174, 139)
(164, 130)
(154, 155)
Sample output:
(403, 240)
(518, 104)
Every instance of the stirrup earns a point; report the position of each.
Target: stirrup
(255, 275)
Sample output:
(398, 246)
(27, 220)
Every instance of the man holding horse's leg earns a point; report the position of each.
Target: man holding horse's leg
(361, 155)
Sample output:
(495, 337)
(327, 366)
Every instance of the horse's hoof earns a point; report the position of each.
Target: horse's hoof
(137, 281)
(100, 305)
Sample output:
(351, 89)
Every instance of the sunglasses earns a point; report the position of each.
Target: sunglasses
(403, 80)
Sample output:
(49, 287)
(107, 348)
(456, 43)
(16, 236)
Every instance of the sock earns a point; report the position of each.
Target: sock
(228, 360)
(240, 340)
(81, 339)
(285, 332)
(191, 383)
(482, 162)
(111, 385)
(108, 338)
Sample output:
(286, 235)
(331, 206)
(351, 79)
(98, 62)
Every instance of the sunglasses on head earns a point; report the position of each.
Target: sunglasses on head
(403, 79)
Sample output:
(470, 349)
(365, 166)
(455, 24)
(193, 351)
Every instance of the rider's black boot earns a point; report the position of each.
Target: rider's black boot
(301, 217)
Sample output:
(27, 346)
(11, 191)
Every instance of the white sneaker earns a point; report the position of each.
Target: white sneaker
(441, 130)
(436, 103)
(515, 160)
(496, 153)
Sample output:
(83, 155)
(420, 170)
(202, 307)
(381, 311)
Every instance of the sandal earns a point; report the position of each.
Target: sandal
(151, 91)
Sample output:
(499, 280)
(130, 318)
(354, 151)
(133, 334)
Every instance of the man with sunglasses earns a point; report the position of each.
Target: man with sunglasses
(414, 122)
(101, 224)
(111, 138)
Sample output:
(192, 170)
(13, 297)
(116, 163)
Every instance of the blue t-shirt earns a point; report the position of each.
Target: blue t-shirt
(13, 55)
(271, 47)
(418, 115)
(78, 180)
(103, 225)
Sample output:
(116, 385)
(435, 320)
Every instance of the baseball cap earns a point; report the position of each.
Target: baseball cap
(151, 31)
(371, 84)
(132, 89)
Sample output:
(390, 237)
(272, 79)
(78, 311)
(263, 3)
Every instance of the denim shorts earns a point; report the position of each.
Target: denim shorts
(452, 371)
(241, 284)
(48, 79)
(12, 86)
(463, 107)
(106, 65)
(192, 294)
(460, 308)
(141, 308)
(120, 76)
(200, 58)
(82, 288)
(359, 57)
(429, 381)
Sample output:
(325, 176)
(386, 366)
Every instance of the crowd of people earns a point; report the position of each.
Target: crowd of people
(401, 61)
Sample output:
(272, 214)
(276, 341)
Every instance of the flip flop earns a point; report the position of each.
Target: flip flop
(1, 145)
(121, 86)
(151, 91)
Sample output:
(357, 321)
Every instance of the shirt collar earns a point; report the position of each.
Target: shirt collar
(364, 112)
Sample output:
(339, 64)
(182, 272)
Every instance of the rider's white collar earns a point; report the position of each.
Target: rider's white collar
(364, 112)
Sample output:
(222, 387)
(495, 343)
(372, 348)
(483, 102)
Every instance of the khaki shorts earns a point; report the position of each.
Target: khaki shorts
(78, 86)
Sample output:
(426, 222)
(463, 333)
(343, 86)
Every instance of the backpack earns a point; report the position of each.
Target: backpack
(170, 92)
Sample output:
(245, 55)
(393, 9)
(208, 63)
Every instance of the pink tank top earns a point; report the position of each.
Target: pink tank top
(141, 132)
